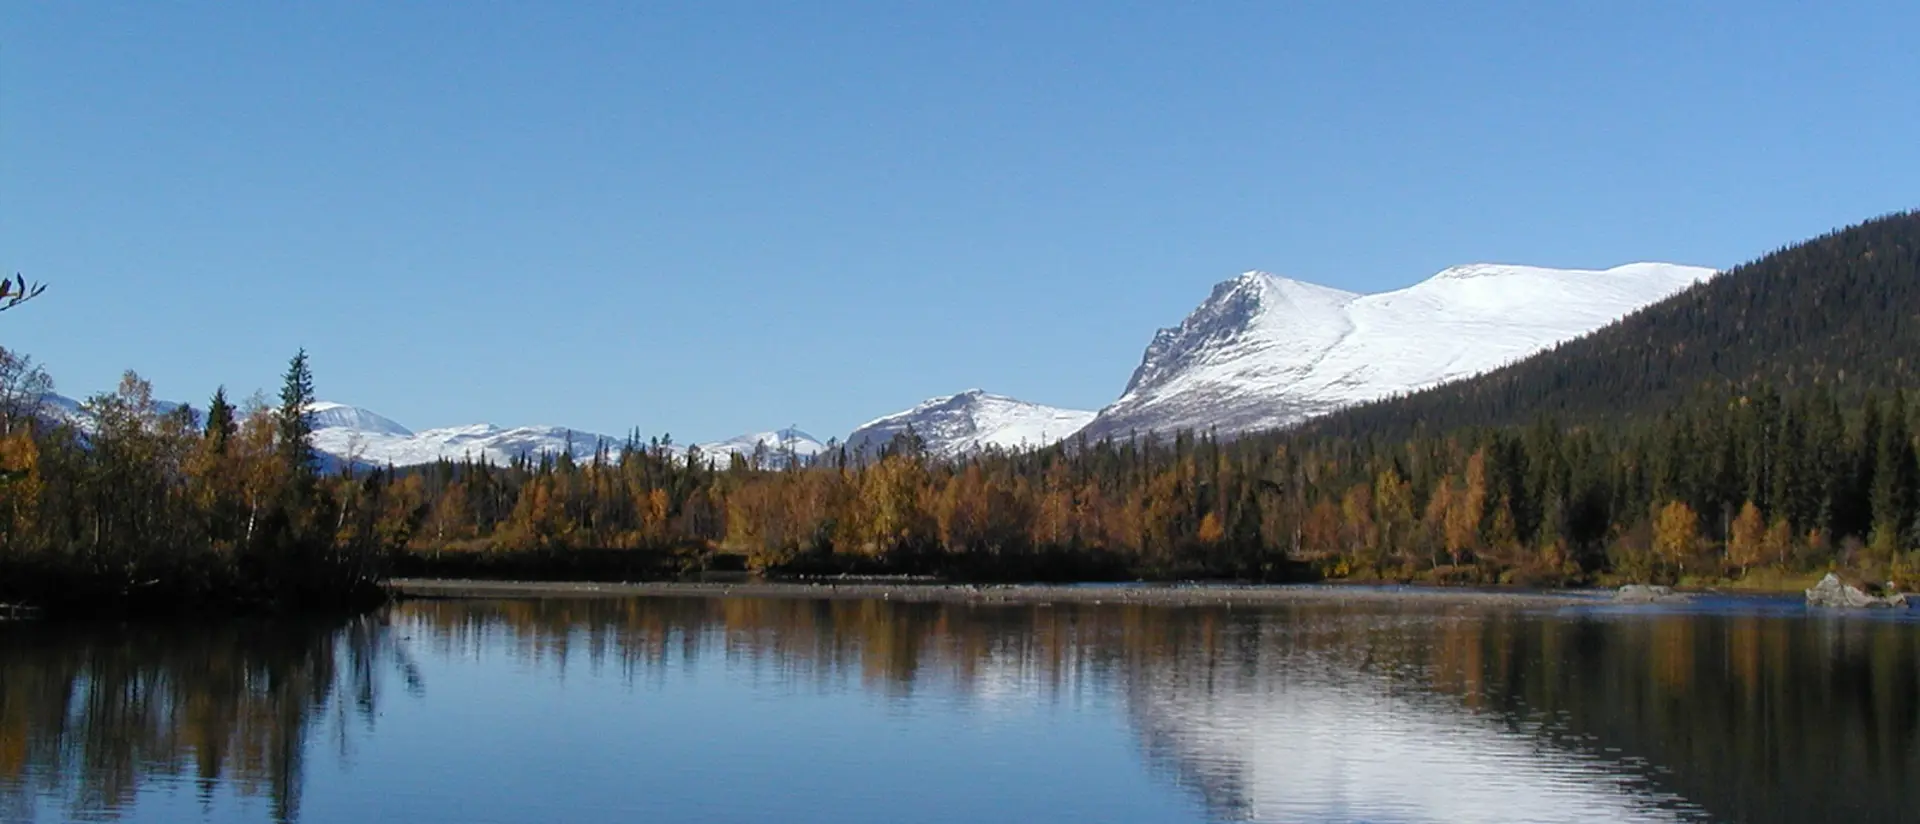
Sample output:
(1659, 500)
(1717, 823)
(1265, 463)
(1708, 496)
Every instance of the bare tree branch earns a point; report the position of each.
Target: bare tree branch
(17, 291)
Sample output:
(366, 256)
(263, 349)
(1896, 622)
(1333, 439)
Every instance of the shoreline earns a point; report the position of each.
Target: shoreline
(1145, 594)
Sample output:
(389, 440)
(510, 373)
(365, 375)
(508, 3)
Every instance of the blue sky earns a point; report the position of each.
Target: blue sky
(709, 218)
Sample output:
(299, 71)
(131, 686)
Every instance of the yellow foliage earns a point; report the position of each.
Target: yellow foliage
(1746, 545)
(1211, 530)
(1778, 541)
(20, 488)
(894, 512)
(1675, 531)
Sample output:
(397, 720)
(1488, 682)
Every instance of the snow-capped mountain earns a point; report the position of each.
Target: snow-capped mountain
(1266, 351)
(972, 420)
(342, 432)
(330, 415)
(1262, 351)
(352, 433)
(778, 443)
(62, 409)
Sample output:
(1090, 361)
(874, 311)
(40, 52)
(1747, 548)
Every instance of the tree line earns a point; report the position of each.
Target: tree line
(1723, 484)
(232, 504)
(142, 509)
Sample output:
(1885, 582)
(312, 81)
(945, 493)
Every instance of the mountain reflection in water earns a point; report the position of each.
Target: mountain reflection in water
(1309, 713)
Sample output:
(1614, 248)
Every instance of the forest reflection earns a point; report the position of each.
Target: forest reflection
(1747, 715)
(90, 715)
(1263, 714)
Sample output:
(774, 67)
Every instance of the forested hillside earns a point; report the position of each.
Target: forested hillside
(1842, 310)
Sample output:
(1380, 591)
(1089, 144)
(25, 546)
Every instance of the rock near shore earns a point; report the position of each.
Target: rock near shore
(1648, 594)
(1835, 593)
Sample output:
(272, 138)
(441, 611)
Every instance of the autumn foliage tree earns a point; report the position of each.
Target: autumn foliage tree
(132, 505)
(1747, 539)
(236, 500)
(1675, 533)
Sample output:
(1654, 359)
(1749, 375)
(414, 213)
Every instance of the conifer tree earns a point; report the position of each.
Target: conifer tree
(221, 425)
(1893, 478)
(293, 422)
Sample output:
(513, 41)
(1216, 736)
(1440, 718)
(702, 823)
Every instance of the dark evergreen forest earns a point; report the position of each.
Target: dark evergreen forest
(1841, 311)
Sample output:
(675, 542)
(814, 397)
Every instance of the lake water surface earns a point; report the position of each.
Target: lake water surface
(585, 710)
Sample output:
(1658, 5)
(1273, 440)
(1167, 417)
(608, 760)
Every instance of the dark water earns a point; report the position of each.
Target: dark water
(848, 711)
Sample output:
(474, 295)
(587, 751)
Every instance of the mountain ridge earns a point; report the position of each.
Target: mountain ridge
(1262, 351)
(1764, 320)
(954, 425)
(1266, 351)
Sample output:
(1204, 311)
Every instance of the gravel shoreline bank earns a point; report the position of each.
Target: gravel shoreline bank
(1145, 594)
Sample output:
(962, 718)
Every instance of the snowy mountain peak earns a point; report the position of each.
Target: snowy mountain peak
(1266, 351)
(968, 421)
(970, 397)
(356, 434)
(330, 414)
(1269, 288)
(778, 444)
(1238, 309)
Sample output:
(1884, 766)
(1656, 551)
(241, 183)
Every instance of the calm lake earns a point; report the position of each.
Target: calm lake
(754, 710)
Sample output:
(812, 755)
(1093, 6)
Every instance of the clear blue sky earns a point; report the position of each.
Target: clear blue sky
(707, 218)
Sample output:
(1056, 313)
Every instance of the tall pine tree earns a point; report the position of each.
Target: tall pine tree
(1893, 479)
(293, 423)
(220, 423)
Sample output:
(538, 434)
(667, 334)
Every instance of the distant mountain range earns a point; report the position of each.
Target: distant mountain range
(1262, 351)
(364, 436)
(954, 425)
(776, 447)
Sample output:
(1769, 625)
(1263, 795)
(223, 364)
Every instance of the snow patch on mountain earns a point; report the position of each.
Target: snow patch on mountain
(351, 432)
(357, 434)
(61, 409)
(1266, 351)
(330, 415)
(779, 444)
(972, 420)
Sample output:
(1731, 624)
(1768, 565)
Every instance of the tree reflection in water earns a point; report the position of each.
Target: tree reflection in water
(1262, 714)
(1740, 714)
(90, 715)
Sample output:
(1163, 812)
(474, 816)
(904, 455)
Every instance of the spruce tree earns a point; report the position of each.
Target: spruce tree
(294, 423)
(1893, 478)
(220, 423)
(1826, 461)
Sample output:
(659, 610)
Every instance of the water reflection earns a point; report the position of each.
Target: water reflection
(1310, 713)
(1322, 717)
(90, 716)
